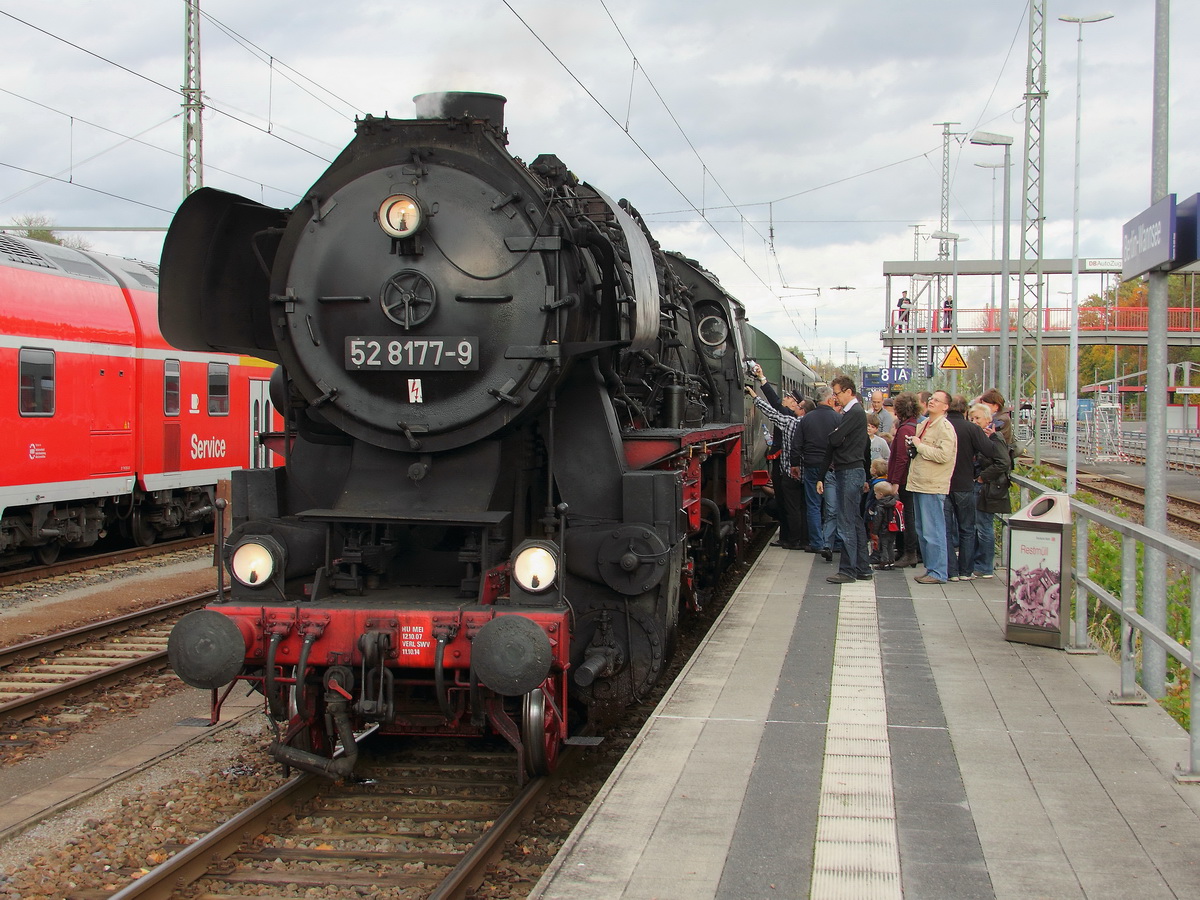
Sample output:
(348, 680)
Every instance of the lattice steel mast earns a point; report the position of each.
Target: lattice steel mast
(1032, 220)
(193, 103)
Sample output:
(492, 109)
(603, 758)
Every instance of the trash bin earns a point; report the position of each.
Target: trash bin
(1039, 572)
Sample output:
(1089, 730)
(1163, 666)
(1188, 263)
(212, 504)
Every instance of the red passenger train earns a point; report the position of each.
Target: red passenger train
(107, 427)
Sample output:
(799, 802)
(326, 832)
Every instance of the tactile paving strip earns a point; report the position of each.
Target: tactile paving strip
(857, 854)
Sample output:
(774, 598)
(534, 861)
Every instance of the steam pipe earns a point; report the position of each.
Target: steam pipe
(302, 664)
(439, 678)
(269, 686)
(321, 765)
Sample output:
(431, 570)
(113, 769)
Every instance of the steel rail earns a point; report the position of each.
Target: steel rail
(1091, 482)
(469, 872)
(194, 860)
(84, 563)
(74, 636)
(22, 707)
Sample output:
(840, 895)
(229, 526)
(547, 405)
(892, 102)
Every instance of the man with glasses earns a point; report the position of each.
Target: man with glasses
(849, 456)
(934, 449)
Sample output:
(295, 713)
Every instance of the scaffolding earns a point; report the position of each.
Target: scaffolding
(1102, 434)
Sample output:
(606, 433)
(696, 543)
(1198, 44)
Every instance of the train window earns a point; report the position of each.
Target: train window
(713, 333)
(171, 387)
(218, 389)
(37, 382)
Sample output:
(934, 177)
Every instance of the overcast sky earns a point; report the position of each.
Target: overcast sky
(718, 121)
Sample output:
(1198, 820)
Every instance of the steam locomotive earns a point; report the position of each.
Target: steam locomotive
(515, 442)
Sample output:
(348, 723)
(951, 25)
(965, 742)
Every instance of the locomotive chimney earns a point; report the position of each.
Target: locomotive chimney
(462, 105)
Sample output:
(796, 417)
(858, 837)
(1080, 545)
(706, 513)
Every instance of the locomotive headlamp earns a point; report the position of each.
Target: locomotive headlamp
(401, 216)
(535, 567)
(256, 561)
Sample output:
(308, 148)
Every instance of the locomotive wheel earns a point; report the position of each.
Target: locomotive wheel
(47, 554)
(140, 530)
(539, 733)
(643, 651)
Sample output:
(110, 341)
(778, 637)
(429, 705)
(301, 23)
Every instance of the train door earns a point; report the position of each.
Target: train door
(261, 420)
(110, 413)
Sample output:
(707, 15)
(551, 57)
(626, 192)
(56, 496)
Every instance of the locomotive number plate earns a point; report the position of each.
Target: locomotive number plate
(388, 354)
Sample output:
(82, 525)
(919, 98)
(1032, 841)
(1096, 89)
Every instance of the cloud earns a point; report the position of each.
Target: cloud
(817, 121)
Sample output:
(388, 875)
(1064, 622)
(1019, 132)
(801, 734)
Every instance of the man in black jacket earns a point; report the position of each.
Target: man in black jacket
(808, 452)
(849, 455)
(960, 502)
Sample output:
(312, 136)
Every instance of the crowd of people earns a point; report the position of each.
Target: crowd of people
(889, 482)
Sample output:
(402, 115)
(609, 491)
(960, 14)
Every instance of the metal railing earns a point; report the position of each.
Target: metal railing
(1091, 319)
(1183, 445)
(1184, 556)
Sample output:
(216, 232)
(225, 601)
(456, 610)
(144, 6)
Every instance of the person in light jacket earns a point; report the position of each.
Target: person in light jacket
(934, 451)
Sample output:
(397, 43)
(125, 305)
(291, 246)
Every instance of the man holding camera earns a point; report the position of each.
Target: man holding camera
(934, 449)
(785, 415)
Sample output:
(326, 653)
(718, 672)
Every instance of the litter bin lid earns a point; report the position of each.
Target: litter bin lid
(1051, 508)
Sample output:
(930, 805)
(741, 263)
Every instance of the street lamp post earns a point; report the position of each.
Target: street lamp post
(1073, 352)
(988, 139)
(957, 239)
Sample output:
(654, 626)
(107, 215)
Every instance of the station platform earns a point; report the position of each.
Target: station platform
(882, 739)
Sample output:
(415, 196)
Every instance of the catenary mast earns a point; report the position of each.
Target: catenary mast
(1029, 297)
(193, 103)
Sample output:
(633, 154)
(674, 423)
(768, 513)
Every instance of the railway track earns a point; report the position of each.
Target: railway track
(48, 670)
(418, 823)
(97, 560)
(170, 837)
(1182, 512)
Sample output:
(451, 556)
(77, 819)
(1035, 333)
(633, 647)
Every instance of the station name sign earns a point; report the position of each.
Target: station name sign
(1161, 238)
(1148, 240)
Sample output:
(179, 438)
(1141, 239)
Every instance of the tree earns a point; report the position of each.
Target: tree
(41, 228)
(798, 353)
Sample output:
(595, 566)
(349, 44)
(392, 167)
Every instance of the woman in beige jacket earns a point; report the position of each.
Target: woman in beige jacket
(933, 450)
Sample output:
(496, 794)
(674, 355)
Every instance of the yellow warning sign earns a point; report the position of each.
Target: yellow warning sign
(954, 360)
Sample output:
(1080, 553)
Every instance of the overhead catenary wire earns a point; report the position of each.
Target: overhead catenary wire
(216, 109)
(297, 78)
(653, 162)
(750, 226)
(125, 139)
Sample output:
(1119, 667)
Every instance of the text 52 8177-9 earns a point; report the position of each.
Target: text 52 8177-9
(457, 353)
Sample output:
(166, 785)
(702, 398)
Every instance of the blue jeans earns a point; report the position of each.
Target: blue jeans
(960, 531)
(812, 507)
(850, 524)
(829, 520)
(985, 538)
(931, 532)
